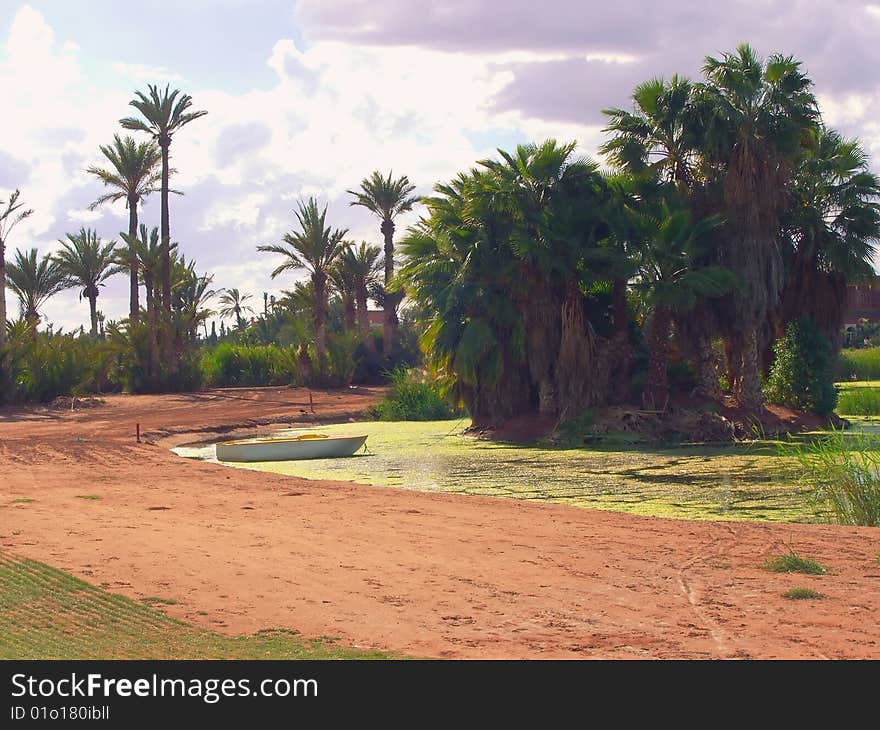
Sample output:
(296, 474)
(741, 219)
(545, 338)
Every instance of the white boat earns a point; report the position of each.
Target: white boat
(306, 446)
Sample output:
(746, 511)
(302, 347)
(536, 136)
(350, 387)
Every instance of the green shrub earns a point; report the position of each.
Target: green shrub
(861, 364)
(859, 401)
(412, 397)
(802, 594)
(802, 373)
(248, 365)
(842, 472)
(793, 563)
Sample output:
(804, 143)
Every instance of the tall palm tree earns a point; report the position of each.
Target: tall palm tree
(165, 113)
(831, 231)
(387, 198)
(314, 247)
(753, 117)
(34, 282)
(149, 253)
(342, 278)
(134, 174)
(232, 304)
(657, 136)
(365, 264)
(673, 282)
(87, 263)
(11, 215)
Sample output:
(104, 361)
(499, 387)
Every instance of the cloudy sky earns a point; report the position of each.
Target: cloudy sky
(308, 97)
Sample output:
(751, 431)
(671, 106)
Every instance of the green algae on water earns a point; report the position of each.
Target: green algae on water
(710, 483)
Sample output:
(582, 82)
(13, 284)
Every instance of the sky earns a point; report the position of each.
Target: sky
(307, 98)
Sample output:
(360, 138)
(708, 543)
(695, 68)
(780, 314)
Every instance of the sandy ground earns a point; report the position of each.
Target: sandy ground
(429, 575)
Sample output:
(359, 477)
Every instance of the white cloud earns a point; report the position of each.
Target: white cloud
(150, 74)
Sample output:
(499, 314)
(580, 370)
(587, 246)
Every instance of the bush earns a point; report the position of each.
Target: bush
(248, 365)
(862, 364)
(802, 373)
(842, 471)
(859, 402)
(412, 397)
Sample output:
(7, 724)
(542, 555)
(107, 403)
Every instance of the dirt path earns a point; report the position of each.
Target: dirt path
(422, 574)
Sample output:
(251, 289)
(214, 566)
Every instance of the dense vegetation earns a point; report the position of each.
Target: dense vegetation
(730, 218)
(729, 212)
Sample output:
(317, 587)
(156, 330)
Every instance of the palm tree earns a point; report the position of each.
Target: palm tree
(657, 136)
(232, 304)
(314, 247)
(165, 113)
(34, 282)
(364, 264)
(386, 198)
(753, 117)
(86, 262)
(10, 216)
(673, 282)
(831, 229)
(149, 253)
(133, 176)
(342, 277)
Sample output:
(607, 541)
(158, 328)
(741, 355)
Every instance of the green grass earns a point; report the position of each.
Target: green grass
(88, 496)
(841, 469)
(22, 500)
(794, 563)
(155, 600)
(858, 399)
(802, 594)
(46, 613)
(860, 364)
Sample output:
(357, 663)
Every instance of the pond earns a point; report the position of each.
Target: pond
(737, 482)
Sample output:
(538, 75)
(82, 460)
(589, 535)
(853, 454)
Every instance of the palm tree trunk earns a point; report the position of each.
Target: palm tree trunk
(165, 231)
(171, 361)
(749, 395)
(2, 293)
(93, 311)
(656, 393)
(152, 334)
(389, 325)
(620, 341)
(363, 320)
(707, 374)
(319, 279)
(349, 308)
(133, 303)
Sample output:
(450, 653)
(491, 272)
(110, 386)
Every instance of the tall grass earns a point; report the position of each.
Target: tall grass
(412, 397)
(859, 401)
(861, 364)
(842, 472)
(230, 365)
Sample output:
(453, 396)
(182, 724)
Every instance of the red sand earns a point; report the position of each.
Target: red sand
(423, 574)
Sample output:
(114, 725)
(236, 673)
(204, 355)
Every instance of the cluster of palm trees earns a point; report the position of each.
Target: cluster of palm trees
(729, 211)
(352, 269)
(136, 169)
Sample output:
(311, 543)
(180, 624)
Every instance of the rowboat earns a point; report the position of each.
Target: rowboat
(306, 446)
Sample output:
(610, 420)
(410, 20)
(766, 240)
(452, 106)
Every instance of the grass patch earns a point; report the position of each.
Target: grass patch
(842, 472)
(46, 613)
(155, 600)
(412, 397)
(858, 401)
(859, 364)
(802, 594)
(794, 563)
(22, 500)
(88, 496)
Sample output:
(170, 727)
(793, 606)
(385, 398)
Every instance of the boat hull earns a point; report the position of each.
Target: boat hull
(289, 449)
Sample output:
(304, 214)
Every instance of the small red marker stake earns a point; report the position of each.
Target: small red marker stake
(138, 432)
